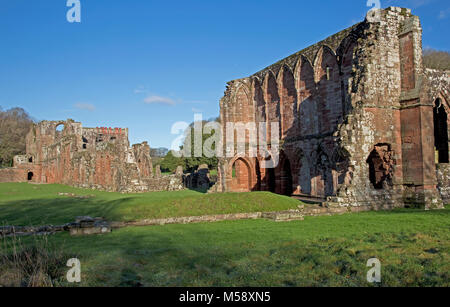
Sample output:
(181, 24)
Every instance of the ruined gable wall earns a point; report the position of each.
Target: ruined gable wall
(306, 94)
(353, 94)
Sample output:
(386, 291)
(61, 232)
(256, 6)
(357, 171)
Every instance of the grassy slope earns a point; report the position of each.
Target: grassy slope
(412, 245)
(27, 204)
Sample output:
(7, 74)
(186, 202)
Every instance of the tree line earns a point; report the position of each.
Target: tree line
(15, 124)
(170, 162)
(435, 59)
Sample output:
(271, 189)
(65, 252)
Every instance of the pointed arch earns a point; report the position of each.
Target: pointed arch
(240, 175)
(321, 60)
(342, 174)
(306, 105)
(288, 102)
(272, 99)
(259, 101)
(328, 90)
(243, 104)
(441, 138)
(322, 181)
(284, 175)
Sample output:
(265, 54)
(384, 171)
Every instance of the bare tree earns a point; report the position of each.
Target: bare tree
(14, 126)
(436, 59)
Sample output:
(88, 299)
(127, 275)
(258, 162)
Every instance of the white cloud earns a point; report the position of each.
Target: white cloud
(444, 13)
(85, 106)
(140, 90)
(159, 99)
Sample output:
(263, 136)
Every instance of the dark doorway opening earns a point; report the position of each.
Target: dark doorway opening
(271, 181)
(30, 176)
(440, 132)
(380, 166)
(286, 178)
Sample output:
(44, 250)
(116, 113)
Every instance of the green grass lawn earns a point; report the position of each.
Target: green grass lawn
(412, 245)
(27, 204)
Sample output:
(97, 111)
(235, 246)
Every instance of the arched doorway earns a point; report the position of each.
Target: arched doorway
(30, 176)
(241, 176)
(323, 179)
(270, 180)
(285, 177)
(440, 132)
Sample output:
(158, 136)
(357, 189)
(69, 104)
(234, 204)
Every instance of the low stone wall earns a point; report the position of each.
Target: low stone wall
(83, 225)
(90, 226)
(190, 219)
(7, 231)
(285, 216)
(151, 184)
(165, 183)
(12, 175)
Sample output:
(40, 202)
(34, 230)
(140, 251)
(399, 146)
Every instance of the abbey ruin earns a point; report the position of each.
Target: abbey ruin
(64, 152)
(362, 122)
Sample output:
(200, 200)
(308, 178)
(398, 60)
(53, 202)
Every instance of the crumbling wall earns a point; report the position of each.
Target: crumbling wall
(443, 178)
(95, 158)
(354, 101)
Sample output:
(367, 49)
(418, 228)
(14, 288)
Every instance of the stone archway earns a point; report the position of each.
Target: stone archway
(30, 176)
(286, 178)
(241, 176)
(323, 176)
(440, 118)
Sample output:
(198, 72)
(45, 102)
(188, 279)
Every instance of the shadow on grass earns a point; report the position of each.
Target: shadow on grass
(225, 255)
(38, 212)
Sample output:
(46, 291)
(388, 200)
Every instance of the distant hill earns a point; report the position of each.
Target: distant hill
(158, 152)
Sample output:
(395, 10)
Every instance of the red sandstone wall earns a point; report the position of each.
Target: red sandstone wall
(336, 102)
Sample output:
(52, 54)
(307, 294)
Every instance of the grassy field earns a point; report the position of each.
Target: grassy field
(412, 245)
(27, 204)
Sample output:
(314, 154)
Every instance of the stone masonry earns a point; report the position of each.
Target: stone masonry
(362, 122)
(64, 152)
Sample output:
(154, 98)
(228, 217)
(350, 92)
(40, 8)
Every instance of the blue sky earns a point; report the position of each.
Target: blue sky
(146, 64)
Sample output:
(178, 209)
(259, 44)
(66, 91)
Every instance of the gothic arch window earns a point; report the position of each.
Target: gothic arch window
(440, 132)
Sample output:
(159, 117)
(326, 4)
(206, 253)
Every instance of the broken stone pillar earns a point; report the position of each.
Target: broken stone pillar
(179, 171)
(158, 172)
